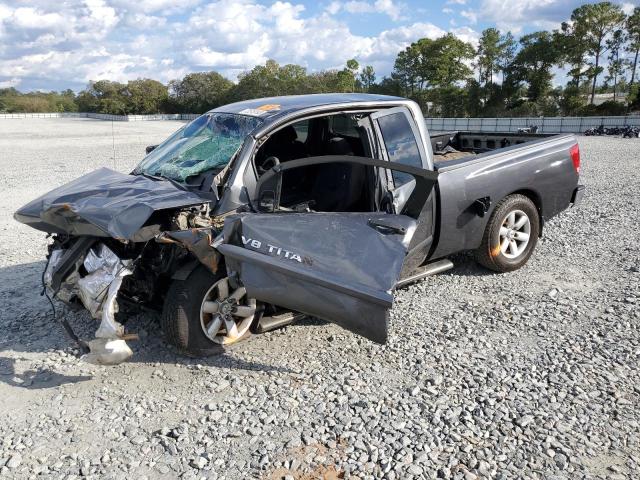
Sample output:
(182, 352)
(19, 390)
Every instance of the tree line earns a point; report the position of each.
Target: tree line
(598, 47)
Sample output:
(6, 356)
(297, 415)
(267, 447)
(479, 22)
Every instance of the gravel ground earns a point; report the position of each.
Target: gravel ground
(532, 374)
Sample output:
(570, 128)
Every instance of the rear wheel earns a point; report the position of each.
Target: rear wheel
(204, 313)
(511, 235)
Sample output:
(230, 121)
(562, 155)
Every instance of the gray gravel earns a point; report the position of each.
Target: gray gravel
(531, 374)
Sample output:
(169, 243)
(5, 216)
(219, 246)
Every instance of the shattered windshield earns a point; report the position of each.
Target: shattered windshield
(209, 142)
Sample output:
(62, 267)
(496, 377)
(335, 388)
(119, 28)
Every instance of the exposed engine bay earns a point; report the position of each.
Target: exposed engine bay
(112, 279)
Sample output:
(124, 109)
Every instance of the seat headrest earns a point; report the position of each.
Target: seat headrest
(339, 146)
(286, 135)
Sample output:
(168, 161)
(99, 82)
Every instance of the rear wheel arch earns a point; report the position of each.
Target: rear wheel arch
(537, 201)
(493, 252)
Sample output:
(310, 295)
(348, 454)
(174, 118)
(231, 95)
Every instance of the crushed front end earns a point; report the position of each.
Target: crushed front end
(117, 242)
(113, 280)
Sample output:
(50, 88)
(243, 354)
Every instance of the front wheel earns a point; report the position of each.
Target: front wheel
(511, 235)
(204, 313)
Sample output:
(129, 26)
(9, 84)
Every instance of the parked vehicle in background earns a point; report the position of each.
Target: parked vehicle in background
(529, 129)
(625, 132)
(260, 212)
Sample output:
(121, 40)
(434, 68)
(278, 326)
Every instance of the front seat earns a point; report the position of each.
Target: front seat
(338, 186)
(285, 145)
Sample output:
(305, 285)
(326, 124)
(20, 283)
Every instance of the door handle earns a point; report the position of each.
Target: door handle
(381, 225)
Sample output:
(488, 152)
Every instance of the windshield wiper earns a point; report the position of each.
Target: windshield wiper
(161, 178)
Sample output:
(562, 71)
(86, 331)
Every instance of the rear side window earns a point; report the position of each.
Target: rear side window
(400, 143)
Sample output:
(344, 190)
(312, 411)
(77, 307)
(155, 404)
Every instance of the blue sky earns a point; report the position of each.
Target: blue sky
(52, 45)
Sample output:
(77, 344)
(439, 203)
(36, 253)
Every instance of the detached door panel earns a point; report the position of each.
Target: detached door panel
(341, 267)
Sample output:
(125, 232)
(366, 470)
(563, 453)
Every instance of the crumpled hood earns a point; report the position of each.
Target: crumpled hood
(105, 203)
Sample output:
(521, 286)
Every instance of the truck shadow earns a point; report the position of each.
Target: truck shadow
(464, 265)
(26, 320)
(35, 379)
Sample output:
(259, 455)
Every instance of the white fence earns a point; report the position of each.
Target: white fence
(544, 124)
(104, 116)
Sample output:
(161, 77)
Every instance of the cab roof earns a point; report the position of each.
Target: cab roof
(276, 107)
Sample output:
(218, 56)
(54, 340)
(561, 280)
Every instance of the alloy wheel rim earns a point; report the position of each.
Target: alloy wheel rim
(226, 316)
(515, 233)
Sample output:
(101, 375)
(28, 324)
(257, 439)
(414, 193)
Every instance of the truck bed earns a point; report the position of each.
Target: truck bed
(538, 166)
(456, 145)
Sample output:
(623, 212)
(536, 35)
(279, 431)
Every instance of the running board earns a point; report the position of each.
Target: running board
(426, 271)
(271, 323)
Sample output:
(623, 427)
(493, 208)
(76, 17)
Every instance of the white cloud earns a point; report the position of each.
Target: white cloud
(628, 8)
(83, 40)
(386, 7)
(12, 82)
(516, 15)
(470, 15)
(334, 7)
(31, 18)
(166, 7)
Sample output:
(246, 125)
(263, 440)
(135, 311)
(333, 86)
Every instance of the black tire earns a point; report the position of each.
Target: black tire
(181, 314)
(489, 253)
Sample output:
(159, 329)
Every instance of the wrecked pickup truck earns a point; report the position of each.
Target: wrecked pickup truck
(264, 211)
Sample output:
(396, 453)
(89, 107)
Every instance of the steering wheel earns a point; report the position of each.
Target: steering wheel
(268, 164)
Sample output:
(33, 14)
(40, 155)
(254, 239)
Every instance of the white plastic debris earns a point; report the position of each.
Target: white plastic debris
(92, 290)
(68, 289)
(101, 257)
(109, 328)
(107, 351)
(54, 260)
(98, 291)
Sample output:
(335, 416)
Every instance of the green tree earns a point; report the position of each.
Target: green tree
(571, 100)
(633, 34)
(146, 96)
(346, 80)
(443, 61)
(405, 70)
(367, 78)
(634, 96)
(473, 101)
(496, 53)
(572, 47)
(594, 23)
(533, 63)
(65, 101)
(428, 70)
(387, 86)
(507, 53)
(616, 65)
(103, 96)
(199, 92)
(488, 55)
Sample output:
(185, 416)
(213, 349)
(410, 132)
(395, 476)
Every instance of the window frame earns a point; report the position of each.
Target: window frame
(382, 146)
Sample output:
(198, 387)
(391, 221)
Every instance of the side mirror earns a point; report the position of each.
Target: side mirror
(150, 149)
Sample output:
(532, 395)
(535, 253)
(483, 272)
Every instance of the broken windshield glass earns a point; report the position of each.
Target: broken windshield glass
(209, 142)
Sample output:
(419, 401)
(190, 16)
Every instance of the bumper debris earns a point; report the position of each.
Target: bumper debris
(97, 290)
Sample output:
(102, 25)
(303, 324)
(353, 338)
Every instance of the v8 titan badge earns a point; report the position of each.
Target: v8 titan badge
(273, 250)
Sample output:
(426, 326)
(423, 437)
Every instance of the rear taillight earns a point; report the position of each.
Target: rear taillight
(575, 157)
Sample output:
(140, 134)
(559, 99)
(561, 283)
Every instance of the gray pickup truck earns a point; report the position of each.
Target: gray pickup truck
(261, 212)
